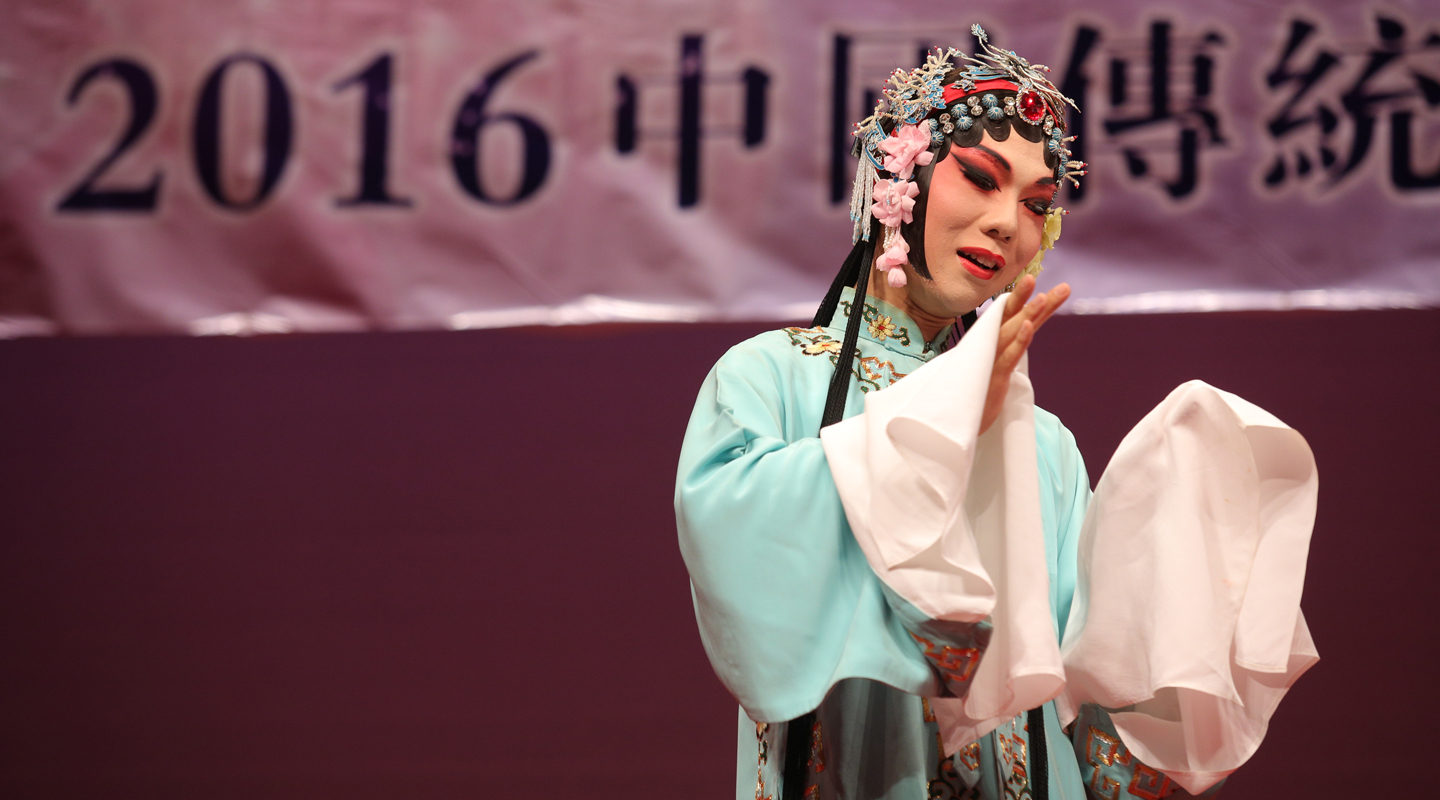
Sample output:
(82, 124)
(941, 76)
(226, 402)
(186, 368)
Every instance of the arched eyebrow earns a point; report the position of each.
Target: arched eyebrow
(995, 157)
(999, 161)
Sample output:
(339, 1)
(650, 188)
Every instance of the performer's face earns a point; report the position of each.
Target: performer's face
(983, 219)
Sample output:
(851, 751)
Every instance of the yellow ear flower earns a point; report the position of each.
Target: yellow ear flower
(1048, 237)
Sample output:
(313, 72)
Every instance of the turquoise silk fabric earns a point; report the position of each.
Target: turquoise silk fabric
(791, 614)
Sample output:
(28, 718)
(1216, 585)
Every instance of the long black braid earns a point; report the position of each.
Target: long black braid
(854, 272)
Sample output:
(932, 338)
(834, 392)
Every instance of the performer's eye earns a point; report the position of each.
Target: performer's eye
(1038, 207)
(979, 177)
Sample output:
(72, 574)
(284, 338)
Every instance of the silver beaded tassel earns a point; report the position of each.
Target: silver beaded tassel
(860, 195)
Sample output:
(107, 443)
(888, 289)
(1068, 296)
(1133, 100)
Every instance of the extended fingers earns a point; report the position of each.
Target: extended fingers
(1044, 305)
(1019, 296)
(1048, 303)
(1011, 351)
(1017, 310)
(1018, 331)
(1019, 313)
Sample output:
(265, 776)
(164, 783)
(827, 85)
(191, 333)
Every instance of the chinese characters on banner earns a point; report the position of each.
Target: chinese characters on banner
(448, 164)
(1333, 94)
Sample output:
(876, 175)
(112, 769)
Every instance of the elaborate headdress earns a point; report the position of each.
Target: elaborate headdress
(996, 91)
(952, 97)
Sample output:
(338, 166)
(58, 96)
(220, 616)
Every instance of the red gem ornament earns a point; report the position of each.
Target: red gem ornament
(1032, 107)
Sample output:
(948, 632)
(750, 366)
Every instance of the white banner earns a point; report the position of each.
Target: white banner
(268, 167)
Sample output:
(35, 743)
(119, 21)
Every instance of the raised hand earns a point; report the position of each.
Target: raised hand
(1023, 317)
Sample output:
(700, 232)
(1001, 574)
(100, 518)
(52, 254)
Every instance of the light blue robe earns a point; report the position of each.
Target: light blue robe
(793, 617)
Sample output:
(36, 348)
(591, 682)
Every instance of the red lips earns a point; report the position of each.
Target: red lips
(983, 273)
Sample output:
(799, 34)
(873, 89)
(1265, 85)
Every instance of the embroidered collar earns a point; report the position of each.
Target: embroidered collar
(890, 327)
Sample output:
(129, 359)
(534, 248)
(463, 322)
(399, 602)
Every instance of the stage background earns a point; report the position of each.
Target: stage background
(405, 563)
(443, 565)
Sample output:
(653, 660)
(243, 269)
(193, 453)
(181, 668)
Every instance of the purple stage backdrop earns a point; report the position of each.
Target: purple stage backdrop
(425, 566)
(324, 165)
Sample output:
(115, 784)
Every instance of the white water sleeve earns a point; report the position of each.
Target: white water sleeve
(1186, 620)
(951, 522)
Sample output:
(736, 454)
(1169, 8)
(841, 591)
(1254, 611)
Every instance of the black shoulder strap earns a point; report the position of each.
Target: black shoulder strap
(855, 272)
(1039, 755)
(840, 381)
(845, 277)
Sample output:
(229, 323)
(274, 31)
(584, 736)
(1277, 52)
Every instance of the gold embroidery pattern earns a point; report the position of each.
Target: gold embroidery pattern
(761, 729)
(880, 326)
(1156, 783)
(1102, 750)
(955, 663)
(802, 335)
(947, 784)
(813, 341)
(1014, 753)
(969, 756)
(817, 760)
(871, 371)
(1146, 783)
(1108, 751)
(817, 749)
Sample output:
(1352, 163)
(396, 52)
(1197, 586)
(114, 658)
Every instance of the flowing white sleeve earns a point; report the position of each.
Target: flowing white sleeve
(1186, 620)
(959, 542)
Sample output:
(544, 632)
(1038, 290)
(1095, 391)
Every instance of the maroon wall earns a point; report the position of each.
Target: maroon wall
(439, 565)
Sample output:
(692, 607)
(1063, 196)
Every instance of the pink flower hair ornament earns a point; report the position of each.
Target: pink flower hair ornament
(897, 254)
(895, 202)
(907, 148)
